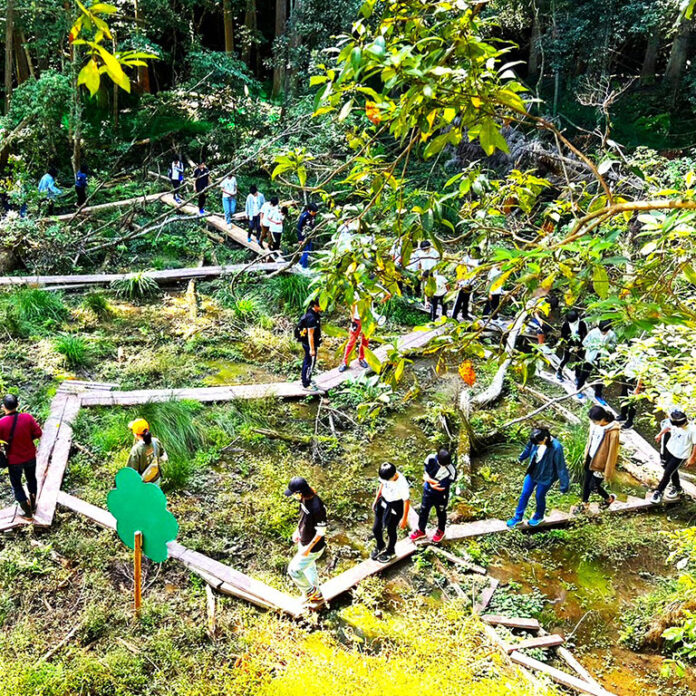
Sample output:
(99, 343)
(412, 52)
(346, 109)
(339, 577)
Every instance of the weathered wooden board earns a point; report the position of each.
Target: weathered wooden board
(557, 675)
(164, 276)
(551, 640)
(486, 595)
(92, 512)
(511, 622)
(138, 200)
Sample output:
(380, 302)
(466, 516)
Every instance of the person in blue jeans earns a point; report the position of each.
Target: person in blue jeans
(546, 466)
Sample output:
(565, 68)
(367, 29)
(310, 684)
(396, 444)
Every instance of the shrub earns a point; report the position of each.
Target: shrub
(401, 312)
(30, 305)
(98, 304)
(135, 286)
(74, 349)
(246, 308)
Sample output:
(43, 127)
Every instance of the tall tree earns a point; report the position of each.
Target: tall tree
(250, 24)
(9, 46)
(143, 70)
(678, 54)
(228, 22)
(652, 49)
(281, 18)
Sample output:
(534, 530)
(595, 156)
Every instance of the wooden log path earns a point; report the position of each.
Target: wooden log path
(138, 200)
(165, 276)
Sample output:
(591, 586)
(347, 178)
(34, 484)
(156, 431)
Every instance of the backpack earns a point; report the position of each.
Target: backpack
(300, 330)
(80, 180)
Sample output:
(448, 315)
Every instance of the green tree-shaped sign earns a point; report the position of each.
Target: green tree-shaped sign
(142, 507)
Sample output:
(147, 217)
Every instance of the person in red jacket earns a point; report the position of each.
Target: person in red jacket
(18, 431)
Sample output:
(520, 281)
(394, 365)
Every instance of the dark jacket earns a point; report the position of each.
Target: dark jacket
(565, 333)
(552, 466)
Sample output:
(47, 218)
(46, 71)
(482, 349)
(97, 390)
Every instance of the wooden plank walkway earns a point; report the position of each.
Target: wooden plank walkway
(138, 200)
(170, 275)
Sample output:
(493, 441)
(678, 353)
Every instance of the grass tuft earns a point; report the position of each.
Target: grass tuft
(74, 349)
(97, 303)
(136, 286)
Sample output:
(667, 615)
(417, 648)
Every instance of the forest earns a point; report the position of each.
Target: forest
(277, 278)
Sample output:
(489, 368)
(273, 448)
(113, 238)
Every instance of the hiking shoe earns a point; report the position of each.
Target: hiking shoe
(628, 425)
(363, 364)
(512, 522)
(605, 504)
(601, 401)
(314, 596)
(438, 536)
(559, 376)
(579, 509)
(343, 368)
(656, 497)
(534, 522)
(673, 493)
(416, 535)
(376, 554)
(385, 557)
(26, 513)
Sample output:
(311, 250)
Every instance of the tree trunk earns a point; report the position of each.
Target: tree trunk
(647, 72)
(143, 70)
(678, 56)
(250, 24)
(295, 42)
(20, 59)
(534, 42)
(9, 45)
(229, 25)
(281, 18)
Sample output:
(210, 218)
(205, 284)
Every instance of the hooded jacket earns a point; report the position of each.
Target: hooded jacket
(552, 466)
(607, 453)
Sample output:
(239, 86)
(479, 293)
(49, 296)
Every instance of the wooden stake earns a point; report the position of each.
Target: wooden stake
(137, 571)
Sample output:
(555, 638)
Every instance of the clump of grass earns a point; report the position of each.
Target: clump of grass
(74, 349)
(289, 291)
(97, 303)
(33, 305)
(136, 286)
(15, 327)
(246, 308)
(574, 440)
(399, 311)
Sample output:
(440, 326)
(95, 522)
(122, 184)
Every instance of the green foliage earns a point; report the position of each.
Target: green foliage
(136, 286)
(246, 309)
(291, 292)
(574, 441)
(74, 349)
(367, 395)
(97, 303)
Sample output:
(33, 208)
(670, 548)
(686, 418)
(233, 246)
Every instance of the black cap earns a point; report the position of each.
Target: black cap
(298, 485)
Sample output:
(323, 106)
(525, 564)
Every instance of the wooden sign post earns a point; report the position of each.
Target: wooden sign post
(137, 571)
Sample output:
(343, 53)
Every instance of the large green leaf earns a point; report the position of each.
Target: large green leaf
(89, 76)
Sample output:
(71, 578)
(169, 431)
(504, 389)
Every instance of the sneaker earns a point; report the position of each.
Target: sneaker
(579, 509)
(363, 364)
(438, 536)
(512, 522)
(606, 504)
(314, 596)
(620, 418)
(534, 522)
(343, 368)
(601, 401)
(201, 212)
(376, 554)
(580, 396)
(311, 388)
(416, 535)
(656, 497)
(559, 376)
(385, 557)
(673, 493)
(628, 425)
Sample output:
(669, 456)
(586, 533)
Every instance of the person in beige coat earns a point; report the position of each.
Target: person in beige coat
(601, 455)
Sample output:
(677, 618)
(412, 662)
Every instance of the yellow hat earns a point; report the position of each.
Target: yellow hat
(139, 426)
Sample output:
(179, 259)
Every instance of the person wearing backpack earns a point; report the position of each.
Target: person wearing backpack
(81, 185)
(176, 176)
(147, 454)
(439, 476)
(308, 333)
(201, 181)
(18, 431)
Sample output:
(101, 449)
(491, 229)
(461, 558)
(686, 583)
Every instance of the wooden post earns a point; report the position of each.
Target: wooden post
(137, 571)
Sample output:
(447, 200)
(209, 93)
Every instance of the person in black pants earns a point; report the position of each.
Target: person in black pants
(678, 442)
(391, 507)
(201, 176)
(81, 186)
(309, 334)
(439, 475)
(573, 332)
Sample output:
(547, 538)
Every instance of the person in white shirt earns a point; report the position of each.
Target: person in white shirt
(263, 219)
(275, 217)
(391, 507)
(598, 345)
(677, 439)
(422, 260)
(438, 296)
(495, 291)
(464, 285)
(229, 196)
(254, 203)
(176, 176)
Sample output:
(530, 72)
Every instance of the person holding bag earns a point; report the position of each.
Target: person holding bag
(17, 433)
(147, 453)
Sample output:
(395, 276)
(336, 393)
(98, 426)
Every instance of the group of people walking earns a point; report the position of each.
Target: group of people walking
(49, 191)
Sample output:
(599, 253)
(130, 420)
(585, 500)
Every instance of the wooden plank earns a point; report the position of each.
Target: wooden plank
(511, 622)
(478, 528)
(51, 428)
(138, 200)
(557, 675)
(551, 640)
(465, 563)
(573, 663)
(345, 581)
(48, 491)
(486, 595)
(225, 588)
(163, 276)
(92, 512)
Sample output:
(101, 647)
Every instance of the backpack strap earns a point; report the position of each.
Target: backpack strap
(12, 432)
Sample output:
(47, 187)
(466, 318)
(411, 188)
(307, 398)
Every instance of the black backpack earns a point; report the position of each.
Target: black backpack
(300, 330)
(5, 451)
